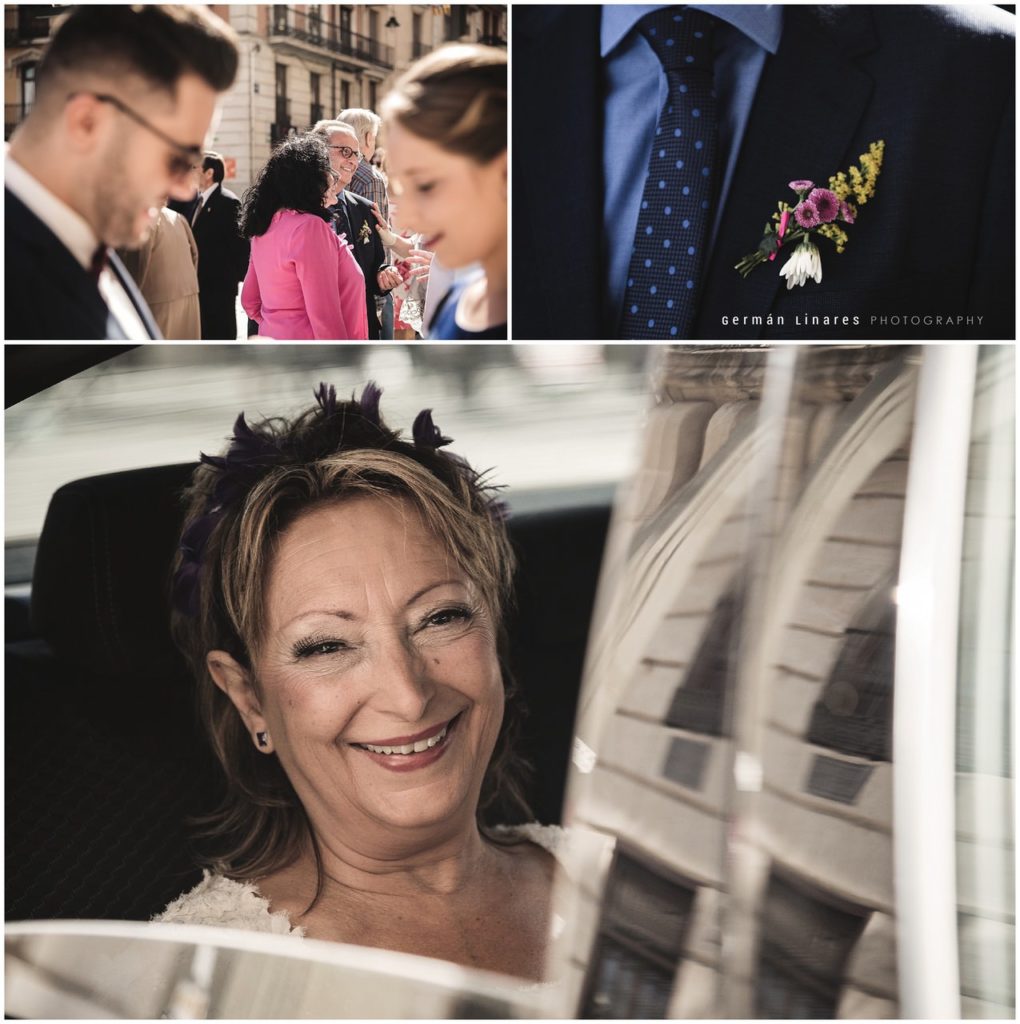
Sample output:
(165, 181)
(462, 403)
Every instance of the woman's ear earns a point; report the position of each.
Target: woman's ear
(235, 681)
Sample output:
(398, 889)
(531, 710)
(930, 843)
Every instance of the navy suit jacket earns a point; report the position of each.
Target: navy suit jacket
(368, 248)
(936, 83)
(48, 295)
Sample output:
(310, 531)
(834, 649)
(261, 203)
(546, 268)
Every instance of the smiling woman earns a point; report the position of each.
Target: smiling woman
(447, 140)
(339, 594)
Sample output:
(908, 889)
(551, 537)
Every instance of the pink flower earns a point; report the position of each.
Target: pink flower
(827, 204)
(806, 214)
(801, 185)
(846, 213)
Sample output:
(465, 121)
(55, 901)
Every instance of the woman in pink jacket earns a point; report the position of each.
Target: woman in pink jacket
(303, 281)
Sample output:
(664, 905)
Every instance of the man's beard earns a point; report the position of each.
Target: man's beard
(116, 209)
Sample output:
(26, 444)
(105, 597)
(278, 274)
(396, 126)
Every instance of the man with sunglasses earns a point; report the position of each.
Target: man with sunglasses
(124, 99)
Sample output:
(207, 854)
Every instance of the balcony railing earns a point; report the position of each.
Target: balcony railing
(312, 29)
(29, 23)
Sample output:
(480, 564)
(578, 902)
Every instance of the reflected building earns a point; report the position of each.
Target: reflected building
(734, 738)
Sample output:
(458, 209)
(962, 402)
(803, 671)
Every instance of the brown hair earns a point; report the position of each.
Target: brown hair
(239, 504)
(157, 42)
(457, 98)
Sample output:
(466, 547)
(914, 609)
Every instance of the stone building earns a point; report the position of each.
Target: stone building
(298, 64)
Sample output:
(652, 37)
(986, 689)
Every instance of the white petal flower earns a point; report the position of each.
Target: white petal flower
(805, 261)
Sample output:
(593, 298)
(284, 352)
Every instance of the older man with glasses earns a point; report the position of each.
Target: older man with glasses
(113, 131)
(353, 217)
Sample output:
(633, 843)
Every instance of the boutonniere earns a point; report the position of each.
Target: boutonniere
(816, 211)
(365, 234)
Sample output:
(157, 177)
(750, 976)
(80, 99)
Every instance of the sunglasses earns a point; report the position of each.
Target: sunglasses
(184, 159)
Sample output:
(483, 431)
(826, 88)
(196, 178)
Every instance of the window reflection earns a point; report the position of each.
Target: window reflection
(639, 942)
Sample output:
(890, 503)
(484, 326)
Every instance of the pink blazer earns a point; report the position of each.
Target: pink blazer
(303, 282)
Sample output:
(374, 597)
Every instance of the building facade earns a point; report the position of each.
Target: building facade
(298, 63)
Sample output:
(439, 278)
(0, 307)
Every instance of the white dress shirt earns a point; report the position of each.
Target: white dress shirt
(78, 238)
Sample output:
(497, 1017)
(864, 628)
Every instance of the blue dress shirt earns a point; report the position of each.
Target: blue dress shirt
(636, 90)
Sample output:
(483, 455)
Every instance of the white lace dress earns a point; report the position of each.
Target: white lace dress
(226, 903)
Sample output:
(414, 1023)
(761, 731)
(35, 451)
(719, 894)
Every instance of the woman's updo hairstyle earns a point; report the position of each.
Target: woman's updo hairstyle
(455, 97)
(238, 505)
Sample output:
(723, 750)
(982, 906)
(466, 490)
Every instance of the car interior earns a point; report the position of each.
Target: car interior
(106, 765)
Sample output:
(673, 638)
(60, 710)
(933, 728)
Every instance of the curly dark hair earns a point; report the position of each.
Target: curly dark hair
(295, 177)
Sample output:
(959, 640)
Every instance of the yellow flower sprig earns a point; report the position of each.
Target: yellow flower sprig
(836, 234)
(863, 178)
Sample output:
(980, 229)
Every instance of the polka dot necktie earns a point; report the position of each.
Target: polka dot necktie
(672, 231)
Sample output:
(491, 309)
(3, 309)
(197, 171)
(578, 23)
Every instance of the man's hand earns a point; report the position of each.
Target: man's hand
(388, 278)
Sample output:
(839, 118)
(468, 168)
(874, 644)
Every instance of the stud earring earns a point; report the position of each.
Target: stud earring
(262, 738)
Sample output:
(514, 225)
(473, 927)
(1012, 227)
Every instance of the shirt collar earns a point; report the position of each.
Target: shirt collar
(207, 192)
(761, 23)
(69, 226)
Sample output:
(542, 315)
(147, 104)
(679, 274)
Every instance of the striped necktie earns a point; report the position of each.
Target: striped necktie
(676, 206)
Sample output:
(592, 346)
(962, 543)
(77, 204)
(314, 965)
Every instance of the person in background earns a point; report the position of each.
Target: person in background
(370, 182)
(165, 268)
(447, 131)
(353, 218)
(124, 98)
(223, 252)
(303, 281)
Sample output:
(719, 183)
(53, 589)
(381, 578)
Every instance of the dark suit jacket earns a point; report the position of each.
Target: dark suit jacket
(936, 83)
(369, 250)
(222, 252)
(48, 295)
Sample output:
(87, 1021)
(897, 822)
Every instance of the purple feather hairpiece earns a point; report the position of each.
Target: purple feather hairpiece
(426, 434)
(251, 453)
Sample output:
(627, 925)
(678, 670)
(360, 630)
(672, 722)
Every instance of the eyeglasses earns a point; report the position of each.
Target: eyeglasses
(346, 152)
(185, 158)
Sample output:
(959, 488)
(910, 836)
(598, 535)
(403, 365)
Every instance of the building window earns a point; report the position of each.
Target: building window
(281, 126)
(345, 94)
(315, 22)
(853, 715)
(640, 938)
(373, 93)
(280, 19)
(27, 73)
(455, 23)
(700, 702)
(315, 88)
(418, 48)
(345, 25)
(806, 940)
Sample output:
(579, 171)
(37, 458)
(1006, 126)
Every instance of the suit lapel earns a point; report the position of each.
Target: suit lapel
(73, 291)
(137, 300)
(808, 108)
(560, 176)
